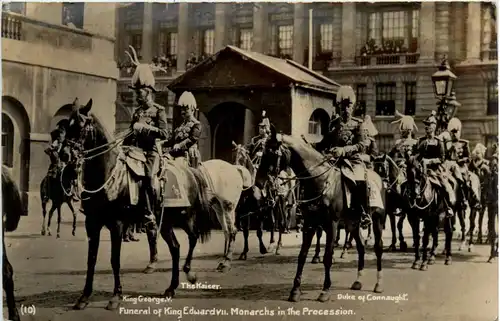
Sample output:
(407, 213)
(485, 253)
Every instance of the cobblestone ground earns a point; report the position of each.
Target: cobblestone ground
(50, 274)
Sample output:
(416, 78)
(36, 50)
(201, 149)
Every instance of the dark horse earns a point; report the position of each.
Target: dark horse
(321, 181)
(253, 204)
(12, 209)
(55, 187)
(492, 204)
(97, 171)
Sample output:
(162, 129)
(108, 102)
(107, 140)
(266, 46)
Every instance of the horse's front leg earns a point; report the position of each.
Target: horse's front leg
(492, 234)
(415, 227)
(152, 235)
(93, 227)
(462, 212)
(272, 220)
(348, 236)
(44, 213)
(116, 231)
(193, 240)
(168, 235)
(472, 226)
(319, 234)
(330, 232)
(8, 286)
(392, 220)
(425, 242)
(402, 243)
(379, 248)
(360, 246)
(307, 236)
(260, 232)
(245, 226)
(53, 207)
(59, 221)
(435, 238)
(230, 237)
(70, 205)
(448, 231)
(480, 224)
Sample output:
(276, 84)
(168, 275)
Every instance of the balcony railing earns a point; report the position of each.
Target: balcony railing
(168, 64)
(322, 61)
(388, 59)
(11, 26)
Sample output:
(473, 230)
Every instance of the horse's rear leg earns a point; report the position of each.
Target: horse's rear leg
(415, 227)
(348, 236)
(480, 225)
(168, 235)
(319, 234)
(402, 243)
(448, 231)
(8, 286)
(307, 236)
(51, 212)
(260, 232)
(116, 232)
(330, 232)
(93, 228)
(272, 219)
(472, 226)
(44, 213)
(360, 246)
(392, 220)
(70, 205)
(425, 243)
(151, 233)
(492, 235)
(193, 240)
(435, 239)
(337, 237)
(245, 226)
(59, 221)
(461, 216)
(379, 248)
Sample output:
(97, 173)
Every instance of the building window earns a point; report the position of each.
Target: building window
(386, 99)
(7, 141)
(394, 31)
(489, 141)
(72, 14)
(360, 110)
(492, 98)
(326, 38)
(16, 7)
(246, 39)
(282, 41)
(384, 142)
(410, 98)
(168, 43)
(133, 36)
(208, 41)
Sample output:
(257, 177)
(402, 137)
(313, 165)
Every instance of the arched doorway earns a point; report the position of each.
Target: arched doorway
(15, 141)
(227, 122)
(318, 125)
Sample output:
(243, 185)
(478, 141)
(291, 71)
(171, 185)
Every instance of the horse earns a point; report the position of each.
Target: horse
(323, 187)
(99, 168)
(492, 206)
(462, 210)
(54, 187)
(387, 168)
(479, 213)
(12, 209)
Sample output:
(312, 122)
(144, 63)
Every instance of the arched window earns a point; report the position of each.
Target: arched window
(7, 141)
(318, 123)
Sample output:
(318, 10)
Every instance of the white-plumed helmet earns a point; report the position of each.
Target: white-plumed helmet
(455, 124)
(369, 127)
(480, 149)
(346, 94)
(187, 100)
(405, 122)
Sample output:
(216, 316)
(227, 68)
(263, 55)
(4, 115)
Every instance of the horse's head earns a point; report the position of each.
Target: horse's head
(241, 154)
(381, 165)
(81, 124)
(275, 158)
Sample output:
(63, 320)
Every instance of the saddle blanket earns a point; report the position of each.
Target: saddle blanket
(175, 180)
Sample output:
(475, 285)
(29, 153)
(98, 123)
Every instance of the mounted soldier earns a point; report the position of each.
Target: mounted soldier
(184, 142)
(368, 129)
(346, 140)
(458, 158)
(479, 164)
(404, 148)
(431, 153)
(149, 123)
(256, 145)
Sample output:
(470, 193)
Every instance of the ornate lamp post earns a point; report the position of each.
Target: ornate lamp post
(443, 81)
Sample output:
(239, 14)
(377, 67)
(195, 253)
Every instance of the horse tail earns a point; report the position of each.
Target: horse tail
(11, 201)
(203, 219)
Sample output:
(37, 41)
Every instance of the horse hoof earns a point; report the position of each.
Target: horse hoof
(432, 260)
(324, 296)
(149, 269)
(447, 261)
(243, 257)
(191, 277)
(278, 252)
(113, 304)
(81, 304)
(424, 267)
(392, 248)
(169, 293)
(491, 259)
(49, 234)
(224, 268)
(415, 265)
(356, 285)
(342, 255)
(43, 232)
(271, 247)
(315, 260)
(403, 246)
(470, 248)
(58, 236)
(294, 296)
(378, 288)
(263, 250)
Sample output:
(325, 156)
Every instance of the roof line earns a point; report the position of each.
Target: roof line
(312, 72)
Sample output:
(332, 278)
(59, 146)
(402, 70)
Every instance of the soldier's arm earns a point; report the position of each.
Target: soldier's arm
(362, 145)
(374, 151)
(442, 152)
(466, 154)
(193, 138)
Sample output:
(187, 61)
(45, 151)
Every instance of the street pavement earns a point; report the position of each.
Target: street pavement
(49, 275)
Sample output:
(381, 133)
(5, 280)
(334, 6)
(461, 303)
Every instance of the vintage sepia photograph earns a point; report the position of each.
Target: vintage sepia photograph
(250, 161)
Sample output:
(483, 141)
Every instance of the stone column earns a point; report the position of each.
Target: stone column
(249, 128)
(348, 33)
(260, 27)
(458, 36)
(222, 24)
(147, 32)
(427, 33)
(486, 34)
(300, 32)
(474, 32)
(442, 28)
(183, 34)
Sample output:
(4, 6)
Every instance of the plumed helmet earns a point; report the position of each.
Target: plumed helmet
(479, 149)
(454, 124)
(187, 100)
(406, 122)
(431, 119)
(346, 96)
(369, 127)
(265, 121)
(143, 75)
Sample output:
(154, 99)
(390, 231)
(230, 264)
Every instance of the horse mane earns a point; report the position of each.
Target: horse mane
(393, 167)
(12, 206)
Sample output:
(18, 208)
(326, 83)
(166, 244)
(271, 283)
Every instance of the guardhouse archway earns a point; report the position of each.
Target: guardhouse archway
(318, 125)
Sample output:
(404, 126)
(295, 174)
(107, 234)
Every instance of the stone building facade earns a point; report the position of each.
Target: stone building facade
(386, 51)
(52, 53)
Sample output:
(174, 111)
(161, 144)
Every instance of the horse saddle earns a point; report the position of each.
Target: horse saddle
(135, 160)
(174, 179)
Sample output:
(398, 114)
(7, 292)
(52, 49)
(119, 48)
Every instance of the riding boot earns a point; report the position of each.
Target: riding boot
(446, 197)
(149, 218)
(361, 198)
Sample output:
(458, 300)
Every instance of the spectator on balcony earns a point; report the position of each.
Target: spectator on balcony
(68, 18)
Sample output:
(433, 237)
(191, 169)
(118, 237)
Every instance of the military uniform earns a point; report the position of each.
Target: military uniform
(187, 136)
(257, 144)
